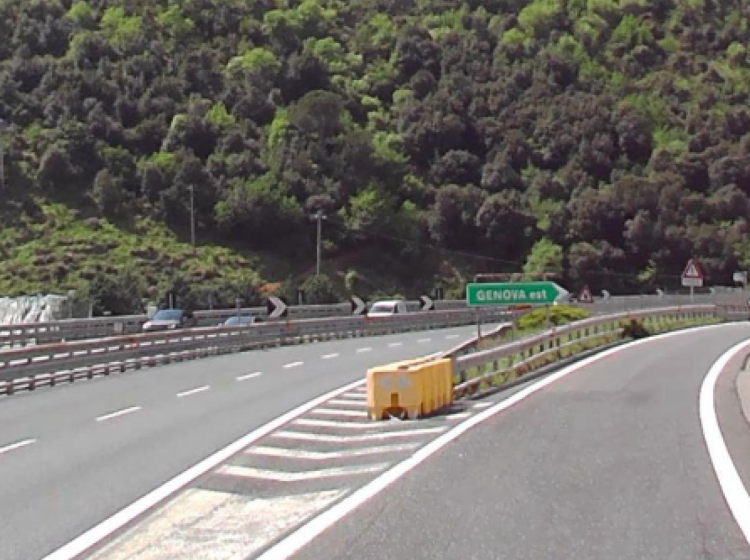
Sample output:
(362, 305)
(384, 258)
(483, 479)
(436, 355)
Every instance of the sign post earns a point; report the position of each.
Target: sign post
(692, 277)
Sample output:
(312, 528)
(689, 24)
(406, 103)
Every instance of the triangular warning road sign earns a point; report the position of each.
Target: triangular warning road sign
(693, 270)
(586, 296)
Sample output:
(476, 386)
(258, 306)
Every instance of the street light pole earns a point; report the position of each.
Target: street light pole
(319, 216)
(192, 215)
(2, 155)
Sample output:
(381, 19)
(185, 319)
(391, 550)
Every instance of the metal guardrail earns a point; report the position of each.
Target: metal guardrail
(49, 364)
(474, 369)
(81, 329)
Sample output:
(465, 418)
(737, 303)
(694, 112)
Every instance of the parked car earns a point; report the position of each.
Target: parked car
(387, 308)
(169, 319)
(240, 320)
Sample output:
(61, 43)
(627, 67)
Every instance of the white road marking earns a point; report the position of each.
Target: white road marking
(293, 364)
(340, 412)
(422, 340)
(293, 542)
(345, 402)
(354, 396)
(249, 376)
(194, 391)
(458, 416)
(483, 404)
(93, 536)
(334, 424)
(731, 484)
(307, 436)
(17, 445)
(452, 336)
(395, 344)
(284, 453)
(286, 476)
(122, 412)
(330, 356)
(361, 350)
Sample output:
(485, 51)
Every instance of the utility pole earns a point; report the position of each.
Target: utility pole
(2, 155)
(192, 215)
(319, 216)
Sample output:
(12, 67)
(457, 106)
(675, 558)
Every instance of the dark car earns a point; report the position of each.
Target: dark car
(168, 319)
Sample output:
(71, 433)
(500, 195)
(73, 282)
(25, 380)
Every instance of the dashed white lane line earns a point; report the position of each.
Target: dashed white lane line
(339, 412)
(307, 436)
(285, 476)
(194, 391)
(293, 365)
(458, 416)
(331, 356)
(249, 376)
(452, 336)
(395, 344)
(284, 453)
(423, 340)
(361, 350)
(17, 445)
(346, 402)
(118, 413)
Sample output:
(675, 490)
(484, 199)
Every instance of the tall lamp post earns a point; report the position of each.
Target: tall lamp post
(192, 215)
(319, 216)
(2, 155)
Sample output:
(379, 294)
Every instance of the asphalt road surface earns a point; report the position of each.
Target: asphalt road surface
(74, 455)
(606, 463)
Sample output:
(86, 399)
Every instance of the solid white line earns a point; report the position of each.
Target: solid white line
(118, 413)
(307, 532)
(329, 356)
(731, 484)
(293, 364)
(360, 350)
(421, 340)
(249, 376)
(194, 391)
(394, 344)
(286, 476)
(17, 445)
(308, 436)
(340, 412)
(284, 453)
(101, 531)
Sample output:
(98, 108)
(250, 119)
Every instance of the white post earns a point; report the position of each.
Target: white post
(192, 215)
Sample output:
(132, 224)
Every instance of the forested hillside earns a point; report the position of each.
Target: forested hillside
(606, 139)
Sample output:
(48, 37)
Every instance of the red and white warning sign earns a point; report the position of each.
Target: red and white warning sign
(586, 296)
(692, 276)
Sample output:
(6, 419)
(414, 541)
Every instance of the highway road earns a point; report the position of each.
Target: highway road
(607, 462)
(74, 455)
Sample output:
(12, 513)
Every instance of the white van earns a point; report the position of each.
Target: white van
(387, 308)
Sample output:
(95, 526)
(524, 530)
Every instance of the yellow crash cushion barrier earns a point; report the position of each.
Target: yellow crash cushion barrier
(413, 387)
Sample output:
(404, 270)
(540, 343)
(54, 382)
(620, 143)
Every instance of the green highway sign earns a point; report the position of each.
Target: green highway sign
(514, 293)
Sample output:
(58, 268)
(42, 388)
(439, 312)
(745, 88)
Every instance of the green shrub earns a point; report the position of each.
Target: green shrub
(558, 315)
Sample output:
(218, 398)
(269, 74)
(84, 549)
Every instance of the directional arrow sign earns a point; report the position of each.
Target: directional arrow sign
(359, 307)
(514, 293)
(606, 294)
(426, 303)
(276, 308)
